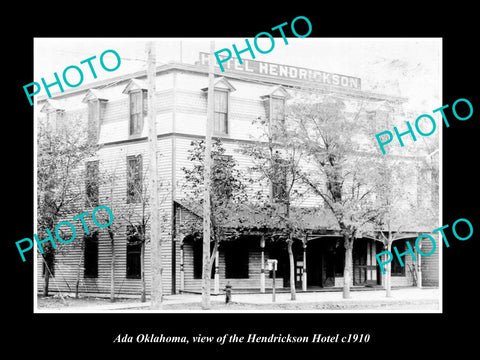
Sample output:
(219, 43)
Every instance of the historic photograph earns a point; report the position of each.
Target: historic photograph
(237, 175)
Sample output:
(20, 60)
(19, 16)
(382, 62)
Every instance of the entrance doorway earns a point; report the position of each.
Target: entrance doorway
(321, 262)
(359, 262)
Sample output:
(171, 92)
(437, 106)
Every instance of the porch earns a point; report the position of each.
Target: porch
(241, 263)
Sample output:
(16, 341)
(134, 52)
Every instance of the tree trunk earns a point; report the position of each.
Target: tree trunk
(112, 267)
(143, 296)
(79, 268)
(348, 270)
(214, 258)
(292, 269)
(388, 275)
(46, 278)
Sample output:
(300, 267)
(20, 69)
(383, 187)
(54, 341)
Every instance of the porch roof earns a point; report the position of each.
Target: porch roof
(253, 218)
(308, 220)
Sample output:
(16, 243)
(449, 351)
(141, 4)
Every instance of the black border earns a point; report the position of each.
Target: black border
(412, 334)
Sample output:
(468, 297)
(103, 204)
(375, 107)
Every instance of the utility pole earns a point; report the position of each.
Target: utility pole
(156, 288)
(207, 184)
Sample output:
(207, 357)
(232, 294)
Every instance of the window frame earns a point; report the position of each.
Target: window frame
(134, 196)
(90, 249)
(92, 182)
(216, 128)
(274, 118)
(135, 127)
(133, 271)
(280, 172)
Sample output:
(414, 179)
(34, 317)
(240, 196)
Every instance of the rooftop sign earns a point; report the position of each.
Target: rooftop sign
(286, 72)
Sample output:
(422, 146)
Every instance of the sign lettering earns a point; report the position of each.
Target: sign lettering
(286, 71)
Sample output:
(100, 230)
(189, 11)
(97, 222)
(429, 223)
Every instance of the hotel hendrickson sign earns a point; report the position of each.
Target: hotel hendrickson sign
(286, 72)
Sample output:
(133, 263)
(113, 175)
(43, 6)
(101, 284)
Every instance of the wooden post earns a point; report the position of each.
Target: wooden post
(418, 266)
(304, 274)
(182, 266)
(262, 264)
(206, 193)
(216, 279)
(112, 268)
(273, 282)
(143, 296)
(156, 256)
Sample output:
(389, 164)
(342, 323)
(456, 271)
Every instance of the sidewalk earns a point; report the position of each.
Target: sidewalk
(410, 298)
(409, 294)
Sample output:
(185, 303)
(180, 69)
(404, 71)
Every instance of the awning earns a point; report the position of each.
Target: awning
(254, 218)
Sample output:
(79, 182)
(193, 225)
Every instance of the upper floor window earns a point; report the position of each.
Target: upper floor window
(221, 112)
(134, 178)
(96, 102)
(275, 104)
(278, 109)
(279, 180)
(222, 88)
(91, 183)
(138, 110)
(55, 114)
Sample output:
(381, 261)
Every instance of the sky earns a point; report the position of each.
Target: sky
(408, 67)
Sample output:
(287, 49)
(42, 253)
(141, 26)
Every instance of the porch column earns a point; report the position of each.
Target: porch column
(216, 280)
(304, 274)
(262, 264)
(182, 267)
(418, 266)
(371, 268)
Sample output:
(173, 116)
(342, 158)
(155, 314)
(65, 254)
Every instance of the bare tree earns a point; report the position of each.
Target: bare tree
(61, 152)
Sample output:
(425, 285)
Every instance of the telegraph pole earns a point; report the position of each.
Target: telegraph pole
(156, 288)
(207, 184)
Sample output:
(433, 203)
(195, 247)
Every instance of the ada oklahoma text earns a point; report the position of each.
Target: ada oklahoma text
(70, 225)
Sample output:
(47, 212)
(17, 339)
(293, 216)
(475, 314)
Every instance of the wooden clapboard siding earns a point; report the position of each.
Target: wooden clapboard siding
(244, 105)
(113, 160)
(115, 124)
(430, 264)
(232, 148)
(191, 101)
(191, 114)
